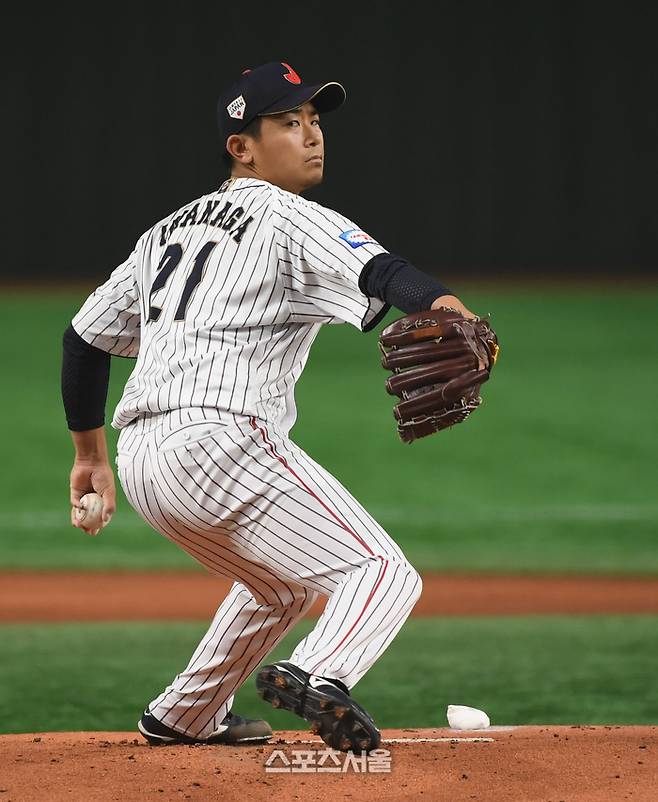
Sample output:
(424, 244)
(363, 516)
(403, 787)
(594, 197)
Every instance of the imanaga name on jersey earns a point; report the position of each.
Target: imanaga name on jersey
(226, 218)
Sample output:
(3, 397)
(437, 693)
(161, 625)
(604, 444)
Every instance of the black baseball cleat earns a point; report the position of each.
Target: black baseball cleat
(334, 715)
(235, 730)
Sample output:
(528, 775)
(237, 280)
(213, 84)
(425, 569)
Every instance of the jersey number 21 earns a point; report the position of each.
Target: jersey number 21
(169, 262)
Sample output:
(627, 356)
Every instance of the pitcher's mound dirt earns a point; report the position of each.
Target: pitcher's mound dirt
(533, 764)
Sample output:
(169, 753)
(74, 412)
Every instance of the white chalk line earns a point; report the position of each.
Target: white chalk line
(414, 741)
(438, 740)
(393, 516)
(607, 512)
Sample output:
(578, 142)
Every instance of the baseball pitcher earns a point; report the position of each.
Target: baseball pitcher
(219, 304)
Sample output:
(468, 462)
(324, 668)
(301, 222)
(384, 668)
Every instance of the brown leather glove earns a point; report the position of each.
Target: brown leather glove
(439, 361)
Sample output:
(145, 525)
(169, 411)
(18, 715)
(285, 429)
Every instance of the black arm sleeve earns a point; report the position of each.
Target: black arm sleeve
(396, 281)
(85, 380)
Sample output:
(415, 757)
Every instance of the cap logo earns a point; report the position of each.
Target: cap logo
(291, 75)
(236, 108)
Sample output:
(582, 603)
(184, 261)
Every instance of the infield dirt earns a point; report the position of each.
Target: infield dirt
(524, 764)
(130, 596)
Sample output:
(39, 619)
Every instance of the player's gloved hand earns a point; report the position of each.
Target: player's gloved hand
(92, 476)
(439, 358)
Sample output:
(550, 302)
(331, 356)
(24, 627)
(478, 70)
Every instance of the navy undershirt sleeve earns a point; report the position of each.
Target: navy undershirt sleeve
(397, 282)
(85, 381)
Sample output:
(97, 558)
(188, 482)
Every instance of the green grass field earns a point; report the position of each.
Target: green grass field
(556, 472)
(534, 670)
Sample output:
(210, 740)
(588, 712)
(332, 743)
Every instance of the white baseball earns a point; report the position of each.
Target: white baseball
(461, 717)
(89, 513)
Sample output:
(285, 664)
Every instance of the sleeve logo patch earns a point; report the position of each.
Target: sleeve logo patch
(355, 238)
(236, 108)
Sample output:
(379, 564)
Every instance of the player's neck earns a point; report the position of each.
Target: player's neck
(240, 171)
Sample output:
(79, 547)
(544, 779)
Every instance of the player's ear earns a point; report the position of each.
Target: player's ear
(238, 146)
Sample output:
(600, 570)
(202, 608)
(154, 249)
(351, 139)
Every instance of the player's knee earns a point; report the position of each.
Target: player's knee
(418, 587)
(413, 581)
(407, 582)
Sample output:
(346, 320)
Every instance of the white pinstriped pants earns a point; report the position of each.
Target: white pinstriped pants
(248, 503)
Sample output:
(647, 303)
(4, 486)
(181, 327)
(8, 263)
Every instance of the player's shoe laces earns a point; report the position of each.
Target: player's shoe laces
(234, 730)
(334, 715)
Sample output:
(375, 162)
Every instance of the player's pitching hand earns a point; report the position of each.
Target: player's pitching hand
(452, 302)
(92, 477)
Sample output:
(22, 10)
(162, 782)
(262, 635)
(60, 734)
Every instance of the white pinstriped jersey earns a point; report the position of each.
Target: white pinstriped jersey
(221, 301)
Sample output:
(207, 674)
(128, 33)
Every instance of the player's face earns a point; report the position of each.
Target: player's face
(290, 149)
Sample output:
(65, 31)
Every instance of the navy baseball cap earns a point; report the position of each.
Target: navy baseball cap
(271, 89)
